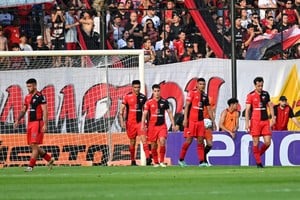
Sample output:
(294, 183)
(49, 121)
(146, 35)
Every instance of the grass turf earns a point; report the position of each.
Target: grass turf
(214, 183)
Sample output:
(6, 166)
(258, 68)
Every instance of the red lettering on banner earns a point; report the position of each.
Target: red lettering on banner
(13, 102)
(68, 107)
(99, 92)
(49, 93)
(171, 90)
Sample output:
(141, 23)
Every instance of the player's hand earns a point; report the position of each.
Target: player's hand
(45, 129)
(16, 124)
(122, 123)
(174, 127)
(184, 123)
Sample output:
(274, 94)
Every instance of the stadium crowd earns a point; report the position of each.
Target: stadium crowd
(163, 28)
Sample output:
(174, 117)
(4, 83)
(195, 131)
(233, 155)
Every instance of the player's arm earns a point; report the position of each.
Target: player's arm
(271, 109)
(237, 121)
(222, 120)
(186, 110)
(45, 116)
(247, 116)
(144, 117)
(21, 115)
(211, 114)
(121, 115)
(171, 119)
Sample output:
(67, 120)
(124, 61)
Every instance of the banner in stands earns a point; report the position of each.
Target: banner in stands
(12, 3)
(81, 101)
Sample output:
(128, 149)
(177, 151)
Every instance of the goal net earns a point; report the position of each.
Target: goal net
(84, 90)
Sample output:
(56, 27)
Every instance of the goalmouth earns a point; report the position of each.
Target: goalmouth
(83, 96)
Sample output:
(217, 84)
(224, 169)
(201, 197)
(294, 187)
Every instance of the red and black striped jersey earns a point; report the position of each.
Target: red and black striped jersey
(156, 111)
(33, 103)
(134, 106)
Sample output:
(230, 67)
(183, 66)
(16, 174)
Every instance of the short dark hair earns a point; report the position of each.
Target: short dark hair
(232, 101)
(200, 80)
(258, 79)
(31, 81)
(155, 86)
(136, 82)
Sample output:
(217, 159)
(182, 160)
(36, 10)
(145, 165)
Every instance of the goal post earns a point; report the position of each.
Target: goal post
(83, 95)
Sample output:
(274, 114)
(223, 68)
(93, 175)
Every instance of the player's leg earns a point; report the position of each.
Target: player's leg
(154, 153)
(183, 151)
(267, 134)
(34, 155)
(162, 151)
(200, 151)
(146, 149)
(209, 143)
(266, 144)
(132, 133)
(256, 152)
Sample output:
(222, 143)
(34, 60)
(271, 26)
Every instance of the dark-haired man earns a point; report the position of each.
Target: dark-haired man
(132, 106)
(258, 124)
(36, 105)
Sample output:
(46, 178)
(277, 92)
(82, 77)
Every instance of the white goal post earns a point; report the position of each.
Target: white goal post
(83, 95)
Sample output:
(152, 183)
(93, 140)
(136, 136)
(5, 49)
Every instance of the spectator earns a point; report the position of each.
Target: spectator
(57, 33)
(3, 41)
(297, 5)
(129, 43)
(123, 13)
(24, 46)
(269, 13)
(283, 112)
(135, 29)
(229, 119)
(240, 33)
(265, 4)
(176, 26)
(296, 51)
(163, 42)
(16, 62)
(179, 45)
(248, 37)
(270, 27)
(256, 24)
(151, 31)
(168, 12)
(165, 56)
(12, 33)
(116, 29)
(41, 61)
(3, 46)
(122, 42)
(292, 13)
(188, 53)
(70, 28)
(151, 15)
(283, 25)
(149, 51)
(245, 20)
(91, 37)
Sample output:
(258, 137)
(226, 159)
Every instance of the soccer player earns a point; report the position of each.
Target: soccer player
(283, 112)
(132, 105)
(196, 101)
(154, 111)
(35, 103)
(229, 119)
(258, 123)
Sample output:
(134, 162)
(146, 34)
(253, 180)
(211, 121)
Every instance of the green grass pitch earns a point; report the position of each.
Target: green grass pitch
(143, 183)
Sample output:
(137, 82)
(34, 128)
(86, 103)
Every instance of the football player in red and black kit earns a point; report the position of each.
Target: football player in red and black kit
(258, 124)
(132, 105)
(36, 105)
(196, 101)
(154, 111)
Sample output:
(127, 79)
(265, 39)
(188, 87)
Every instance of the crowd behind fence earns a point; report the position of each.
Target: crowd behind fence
(164, 29)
